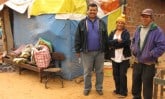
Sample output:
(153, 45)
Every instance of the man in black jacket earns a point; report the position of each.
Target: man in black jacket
(90, 43)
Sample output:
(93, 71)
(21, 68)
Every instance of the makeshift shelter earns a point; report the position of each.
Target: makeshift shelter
(54, 21)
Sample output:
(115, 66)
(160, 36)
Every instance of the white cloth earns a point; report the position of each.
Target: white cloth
(1, 6)
(119, 55)
(18, 5)
(70, 16)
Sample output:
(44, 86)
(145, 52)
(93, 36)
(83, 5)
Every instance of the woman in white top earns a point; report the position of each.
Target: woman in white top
(120, 53)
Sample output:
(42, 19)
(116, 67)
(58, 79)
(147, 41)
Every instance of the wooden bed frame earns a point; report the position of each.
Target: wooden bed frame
(55, 56)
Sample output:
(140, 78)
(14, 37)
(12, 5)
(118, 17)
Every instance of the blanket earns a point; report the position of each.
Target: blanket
(7, 68)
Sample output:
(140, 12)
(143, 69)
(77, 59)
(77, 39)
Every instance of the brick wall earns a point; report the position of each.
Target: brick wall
(134, 7)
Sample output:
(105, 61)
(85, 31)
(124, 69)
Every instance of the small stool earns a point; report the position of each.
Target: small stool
(51, 73)
(159, 80)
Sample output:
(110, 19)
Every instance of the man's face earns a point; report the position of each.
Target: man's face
(146, 20)
(92, 12)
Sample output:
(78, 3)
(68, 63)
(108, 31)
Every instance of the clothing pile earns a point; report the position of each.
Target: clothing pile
(7, 68)
(38, 55)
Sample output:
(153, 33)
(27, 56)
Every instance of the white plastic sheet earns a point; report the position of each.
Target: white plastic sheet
(18, 5)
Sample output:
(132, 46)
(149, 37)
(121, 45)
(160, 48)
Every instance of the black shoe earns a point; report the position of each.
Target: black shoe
(115, 92)
(100, 92)
(86, 92)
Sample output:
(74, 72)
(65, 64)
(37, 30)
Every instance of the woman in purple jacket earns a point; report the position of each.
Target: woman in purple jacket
(148, 44)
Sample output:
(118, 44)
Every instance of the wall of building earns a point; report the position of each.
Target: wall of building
(134, 7)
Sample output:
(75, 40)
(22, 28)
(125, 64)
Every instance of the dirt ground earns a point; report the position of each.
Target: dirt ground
(27, 86)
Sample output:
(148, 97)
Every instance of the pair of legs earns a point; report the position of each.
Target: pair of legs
(120, 77)
(143, 75)
(93, 60)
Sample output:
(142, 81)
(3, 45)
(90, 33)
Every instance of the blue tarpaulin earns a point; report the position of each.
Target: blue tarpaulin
(59, 32)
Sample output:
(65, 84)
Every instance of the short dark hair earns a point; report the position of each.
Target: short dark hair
(92, 5)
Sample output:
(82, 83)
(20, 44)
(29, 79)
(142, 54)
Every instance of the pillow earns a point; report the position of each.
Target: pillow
(42, 41)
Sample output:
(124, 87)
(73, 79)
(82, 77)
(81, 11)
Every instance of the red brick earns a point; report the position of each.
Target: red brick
(134, 7)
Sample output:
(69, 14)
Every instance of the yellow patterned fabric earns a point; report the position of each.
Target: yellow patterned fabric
(112, 19)
(39, 7)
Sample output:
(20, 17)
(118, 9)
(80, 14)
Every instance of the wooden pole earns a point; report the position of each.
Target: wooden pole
(7, 36)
